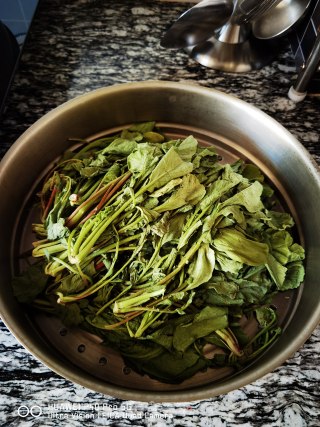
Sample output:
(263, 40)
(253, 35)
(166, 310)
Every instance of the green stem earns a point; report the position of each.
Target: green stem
(50, 248)
(275, 333)
(78, 213)
(147, 320)
(127, 304)
(132, 224)
(230, 340)
(90, 241)
(111, 247)
(112, 300)
(107, 196)
(100, 284)
(151, 260)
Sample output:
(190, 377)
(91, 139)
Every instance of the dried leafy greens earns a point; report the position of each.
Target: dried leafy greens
(162, 250)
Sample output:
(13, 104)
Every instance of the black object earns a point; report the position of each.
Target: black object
(9, 55)
(303, 43)
(298, 90)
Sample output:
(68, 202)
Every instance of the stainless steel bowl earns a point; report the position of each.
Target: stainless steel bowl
(238, 130)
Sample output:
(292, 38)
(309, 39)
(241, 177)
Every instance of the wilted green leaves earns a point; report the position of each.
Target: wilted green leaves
(161, 250)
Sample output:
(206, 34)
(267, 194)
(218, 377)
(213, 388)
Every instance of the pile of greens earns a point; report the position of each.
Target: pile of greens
(163, 251)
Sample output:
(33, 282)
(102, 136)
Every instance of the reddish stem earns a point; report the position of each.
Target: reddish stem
(107, 196)
(99, 265)
(76, 215)
(90, 201)
(50, 201)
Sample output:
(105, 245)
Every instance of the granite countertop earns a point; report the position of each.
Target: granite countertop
(79, 45)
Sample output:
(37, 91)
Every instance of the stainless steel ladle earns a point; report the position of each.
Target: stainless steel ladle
(280, 19)
(233, 48)
(198, 24)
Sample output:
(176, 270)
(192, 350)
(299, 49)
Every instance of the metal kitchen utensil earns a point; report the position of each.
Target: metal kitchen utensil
(279, 20)
(249, 10)
(233, 48)
(298, 91)
(245, 55)
(237, 129)
(197, 24)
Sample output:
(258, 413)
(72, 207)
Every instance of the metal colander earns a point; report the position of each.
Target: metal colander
(237, 130)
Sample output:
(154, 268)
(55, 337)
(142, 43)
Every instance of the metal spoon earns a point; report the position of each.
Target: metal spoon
(249, 10)
(279, 19)
(233, 49)
(198, 23)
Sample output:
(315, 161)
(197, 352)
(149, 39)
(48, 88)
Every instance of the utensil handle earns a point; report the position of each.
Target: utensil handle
(298, 92)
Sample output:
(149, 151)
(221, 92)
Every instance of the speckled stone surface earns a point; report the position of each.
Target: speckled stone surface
(79, 45)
